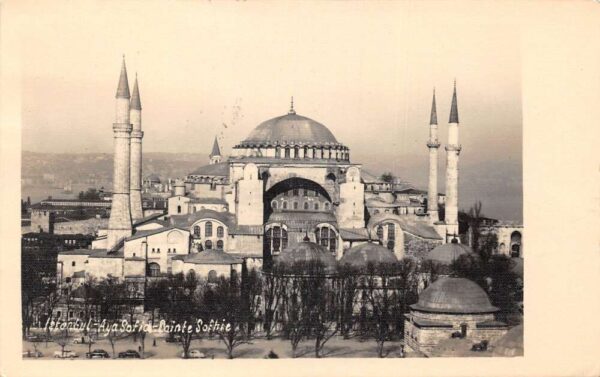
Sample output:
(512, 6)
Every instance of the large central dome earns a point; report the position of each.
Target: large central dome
(290, 129)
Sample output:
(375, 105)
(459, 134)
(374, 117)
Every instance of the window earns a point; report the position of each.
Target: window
(305, 205)
(208, 229)
(212, 276)
(178, 209)
(153, 250)
(326, 237)
(287, 152)
(73, 263)
(295, 192)
(197, 231)
(295, 205)
(153, 269)
(305, 152)
(316, 206)
(208, 245)
(220, 245)
(276, 239)
(326, 206)
(284, 206)
(274, 204)
(296, 152)
(306, 192)
(158, 250)
(278, 152)
(220, 232)
(380, 232)
(67, 280)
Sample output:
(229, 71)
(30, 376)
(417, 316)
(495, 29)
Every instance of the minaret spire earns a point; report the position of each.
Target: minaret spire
(123, 88)
(215, 155)
(135, 96)
(433, 118)
(454, 107)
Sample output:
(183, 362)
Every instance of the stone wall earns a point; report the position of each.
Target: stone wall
(88, 226)
(418, 247)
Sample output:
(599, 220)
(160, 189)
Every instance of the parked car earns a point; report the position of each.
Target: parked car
(32, 354)
(36, 338)
(67, 354)
(129, 354)
(194, 354)
(97, 354)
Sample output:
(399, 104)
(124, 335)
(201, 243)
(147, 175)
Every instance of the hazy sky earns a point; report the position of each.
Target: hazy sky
(365, 70)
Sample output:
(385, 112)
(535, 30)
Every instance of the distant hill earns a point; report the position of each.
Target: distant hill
(498, 184)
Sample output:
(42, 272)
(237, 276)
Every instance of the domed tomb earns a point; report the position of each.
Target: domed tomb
(361, 255)
(454, 295)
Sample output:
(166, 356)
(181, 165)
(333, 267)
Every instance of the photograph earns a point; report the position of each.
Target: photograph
(235, 182)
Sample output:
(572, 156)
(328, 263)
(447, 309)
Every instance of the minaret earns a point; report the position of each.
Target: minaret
(433, 145)
(215, 155)
(452, 151)
(119, 224)
(135, 188)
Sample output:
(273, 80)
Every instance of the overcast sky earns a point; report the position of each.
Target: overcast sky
(365, 70)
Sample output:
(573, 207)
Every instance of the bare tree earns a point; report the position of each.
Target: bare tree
(273, 281)
(113, 336)
(382, 298)
(62, 339)
(230, 308)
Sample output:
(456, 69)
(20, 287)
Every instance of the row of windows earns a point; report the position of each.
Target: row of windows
(208, 245)
(157, 250)
(401, 210)
(208, 230)
(295, 205)
(391, 235)
(276, 238)
(322, 153)
(300, 192)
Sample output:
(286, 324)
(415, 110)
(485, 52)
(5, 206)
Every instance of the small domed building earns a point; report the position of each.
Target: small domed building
(447, 253)
(362, 255)
(308, 255)
(450, 307)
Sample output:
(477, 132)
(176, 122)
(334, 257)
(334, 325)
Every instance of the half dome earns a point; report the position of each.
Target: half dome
(454, 295)
(290, 129)
(361, 255)
(448, 252)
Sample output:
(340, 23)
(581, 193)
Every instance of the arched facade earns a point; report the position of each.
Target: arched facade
(387, 229)
(209, 233)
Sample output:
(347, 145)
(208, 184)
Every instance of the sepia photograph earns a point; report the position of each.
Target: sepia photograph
(271, 180)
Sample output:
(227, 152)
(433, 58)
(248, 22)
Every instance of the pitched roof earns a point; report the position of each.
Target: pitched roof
(151, 232)
(77, 252)
(354, 234)
(103, 253)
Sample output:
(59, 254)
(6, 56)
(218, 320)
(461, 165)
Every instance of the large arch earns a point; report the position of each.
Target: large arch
(516, 245)
(295, 186)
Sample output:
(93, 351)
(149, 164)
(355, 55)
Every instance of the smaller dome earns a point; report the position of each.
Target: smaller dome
(360, 256)
(306, 252)
(448, 252)
(511, 344)
(454, 295)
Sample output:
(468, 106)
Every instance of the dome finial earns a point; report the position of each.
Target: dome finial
(292, 111)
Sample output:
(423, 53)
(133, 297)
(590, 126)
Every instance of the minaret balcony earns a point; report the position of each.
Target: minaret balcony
(433, 144)
(456, 148)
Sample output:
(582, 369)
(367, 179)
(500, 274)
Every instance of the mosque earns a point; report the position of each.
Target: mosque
(290, 178)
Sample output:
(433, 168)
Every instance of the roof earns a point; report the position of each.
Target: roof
(135, 103)
(220, 169)
(307, 252)
(511, 344)
(361, 255)
(151, 232)
(252, 230)
(211, 257)
(188, 220)
(208, 200)
(153, 178)
(103, 253)
(290, 129)
(368, 177)
(427, 323)
(414, 227)
(454, 107)
(454, 295)
(216, 151)
(354, 234)
(77, 252)
(123, 88)
(148, 219)
(449, 252)
(302, 219)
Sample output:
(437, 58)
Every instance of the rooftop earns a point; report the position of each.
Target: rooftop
(454, 295)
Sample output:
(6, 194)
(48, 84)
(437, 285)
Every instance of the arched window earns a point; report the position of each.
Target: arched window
(380, 232)
(276, 239)
(208, 229)
(287, 152)
(391, 236)
(274, 204)
(178, 209)
(220, 245)
(153, 269)
(296, 152)
(278, 152)
(220, 232)
(208, 245)
(284, 205)
(305, 205)
(197, 231)
(376, 212)
(295, 205)
(327, 206)
(316, 206)
(212, 276)
(305, 152)
(326, 237)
